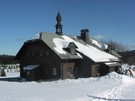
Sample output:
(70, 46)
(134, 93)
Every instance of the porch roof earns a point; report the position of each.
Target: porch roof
(113, 64)
(30, 67)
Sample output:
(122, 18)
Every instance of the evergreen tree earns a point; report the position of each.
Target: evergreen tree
(3, 72)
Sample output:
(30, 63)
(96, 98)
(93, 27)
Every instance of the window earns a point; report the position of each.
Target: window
(47, 52)
(33, 53)
(73, 50)
(28, 53)
(69, 69)
(37, 53)
(41, 53)
(54, 71)
(97, 68)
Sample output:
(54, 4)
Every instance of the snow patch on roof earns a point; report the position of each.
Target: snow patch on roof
(60, 44)
(96, 43)
(79, 55)
(37, 36)
(100, 45)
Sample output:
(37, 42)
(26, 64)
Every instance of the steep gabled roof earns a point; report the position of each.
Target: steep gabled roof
(57, 43)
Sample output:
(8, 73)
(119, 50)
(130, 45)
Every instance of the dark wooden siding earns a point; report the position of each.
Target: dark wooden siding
(85, 66)
(39, 53)
(52, 66)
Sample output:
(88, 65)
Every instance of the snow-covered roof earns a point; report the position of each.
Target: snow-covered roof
(30, 67)
(88, 50)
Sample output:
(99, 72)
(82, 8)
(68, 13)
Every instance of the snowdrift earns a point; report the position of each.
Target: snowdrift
(113, 76)
(110, 87)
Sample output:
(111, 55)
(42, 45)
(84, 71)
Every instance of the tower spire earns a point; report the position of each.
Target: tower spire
(58, 25)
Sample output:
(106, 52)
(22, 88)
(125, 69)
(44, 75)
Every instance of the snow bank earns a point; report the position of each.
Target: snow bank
(124, 91)
(113, 76)
(110, 87)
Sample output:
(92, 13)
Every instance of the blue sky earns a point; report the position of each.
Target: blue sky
(20, 20)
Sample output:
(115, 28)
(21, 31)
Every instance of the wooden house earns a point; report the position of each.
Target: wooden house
(58, 56)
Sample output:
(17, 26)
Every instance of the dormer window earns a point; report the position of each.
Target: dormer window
(71, 48)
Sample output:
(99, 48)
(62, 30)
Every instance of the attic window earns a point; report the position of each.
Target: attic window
(47, 52)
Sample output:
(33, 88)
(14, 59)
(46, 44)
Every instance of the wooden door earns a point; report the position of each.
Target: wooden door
(67, 71)
(95, 70)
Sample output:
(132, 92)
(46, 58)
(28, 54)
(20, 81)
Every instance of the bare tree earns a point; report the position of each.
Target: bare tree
(118, 47)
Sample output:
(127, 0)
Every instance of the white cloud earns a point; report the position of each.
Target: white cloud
(99, 37)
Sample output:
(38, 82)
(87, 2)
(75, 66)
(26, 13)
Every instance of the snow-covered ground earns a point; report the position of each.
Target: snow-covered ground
(110, 87)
